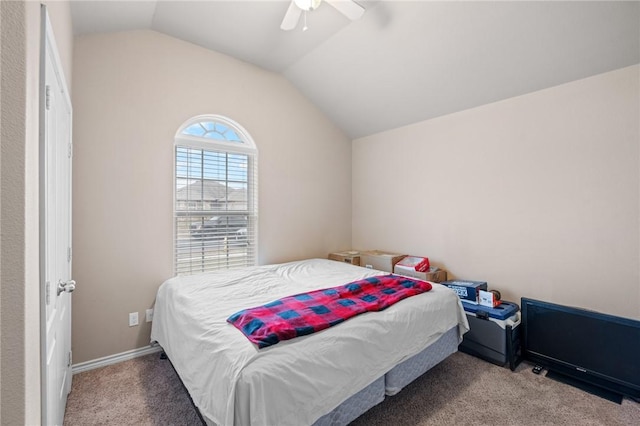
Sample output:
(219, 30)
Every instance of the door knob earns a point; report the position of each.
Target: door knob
(67, 286)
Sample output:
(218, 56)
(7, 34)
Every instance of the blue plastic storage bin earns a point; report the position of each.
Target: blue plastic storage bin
(500, 312)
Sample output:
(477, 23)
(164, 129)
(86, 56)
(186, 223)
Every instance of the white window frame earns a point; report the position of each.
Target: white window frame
(245, 146)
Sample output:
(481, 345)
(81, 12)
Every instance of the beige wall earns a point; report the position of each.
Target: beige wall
(20, 296)
(538, 194)
(132, 91)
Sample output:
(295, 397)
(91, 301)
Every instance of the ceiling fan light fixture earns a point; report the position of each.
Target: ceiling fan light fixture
(348, 8)
(307, 5)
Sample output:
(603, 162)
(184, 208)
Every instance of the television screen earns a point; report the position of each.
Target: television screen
(593, 346)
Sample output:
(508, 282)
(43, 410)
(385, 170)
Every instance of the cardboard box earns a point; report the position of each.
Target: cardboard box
(380, 260)
(468, 291)
(352, 257)
(488, 299)
(420, 264)
(434, 275)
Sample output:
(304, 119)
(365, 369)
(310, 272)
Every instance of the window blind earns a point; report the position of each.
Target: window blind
(215, 209)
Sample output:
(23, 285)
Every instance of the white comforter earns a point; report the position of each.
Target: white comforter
(297, 381)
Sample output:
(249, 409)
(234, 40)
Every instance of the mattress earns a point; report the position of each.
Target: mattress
(296, 381)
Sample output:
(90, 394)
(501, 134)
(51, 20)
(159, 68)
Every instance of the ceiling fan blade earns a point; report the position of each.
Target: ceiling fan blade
(348, 8)
(291, 18)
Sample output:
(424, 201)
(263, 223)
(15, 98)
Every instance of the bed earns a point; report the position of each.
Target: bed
(328, 377)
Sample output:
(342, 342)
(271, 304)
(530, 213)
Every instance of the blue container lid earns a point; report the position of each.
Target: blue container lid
(465, 283)
(501, 312)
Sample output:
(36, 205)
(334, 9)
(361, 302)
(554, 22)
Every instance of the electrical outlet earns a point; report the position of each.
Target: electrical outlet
(149, 315)
(133, 319)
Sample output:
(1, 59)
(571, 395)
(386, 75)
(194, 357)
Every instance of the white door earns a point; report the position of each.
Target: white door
(55, 232)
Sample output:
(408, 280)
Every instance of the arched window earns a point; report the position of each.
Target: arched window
(216, 206)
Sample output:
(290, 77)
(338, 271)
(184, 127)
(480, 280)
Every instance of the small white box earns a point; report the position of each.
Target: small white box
(487, 298)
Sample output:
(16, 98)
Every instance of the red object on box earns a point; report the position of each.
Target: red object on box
(423, 266)
(419, 264)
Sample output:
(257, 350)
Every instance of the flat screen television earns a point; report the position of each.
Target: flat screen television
(597, 352)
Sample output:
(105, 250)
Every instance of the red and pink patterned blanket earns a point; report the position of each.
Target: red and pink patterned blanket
(306, 313)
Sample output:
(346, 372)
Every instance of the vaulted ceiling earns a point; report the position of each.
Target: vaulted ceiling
(403, 61)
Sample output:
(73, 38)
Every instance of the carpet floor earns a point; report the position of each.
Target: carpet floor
(462, 390)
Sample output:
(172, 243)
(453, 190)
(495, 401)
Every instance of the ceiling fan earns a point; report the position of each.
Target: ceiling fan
(348, 8)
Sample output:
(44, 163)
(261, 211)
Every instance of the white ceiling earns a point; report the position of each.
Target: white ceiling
(403, 61)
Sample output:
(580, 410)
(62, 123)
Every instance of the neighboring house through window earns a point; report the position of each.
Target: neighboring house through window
(216, 208)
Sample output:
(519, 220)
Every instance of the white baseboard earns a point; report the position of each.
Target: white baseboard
(113, 359)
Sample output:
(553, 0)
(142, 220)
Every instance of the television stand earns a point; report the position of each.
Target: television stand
(587, 387)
